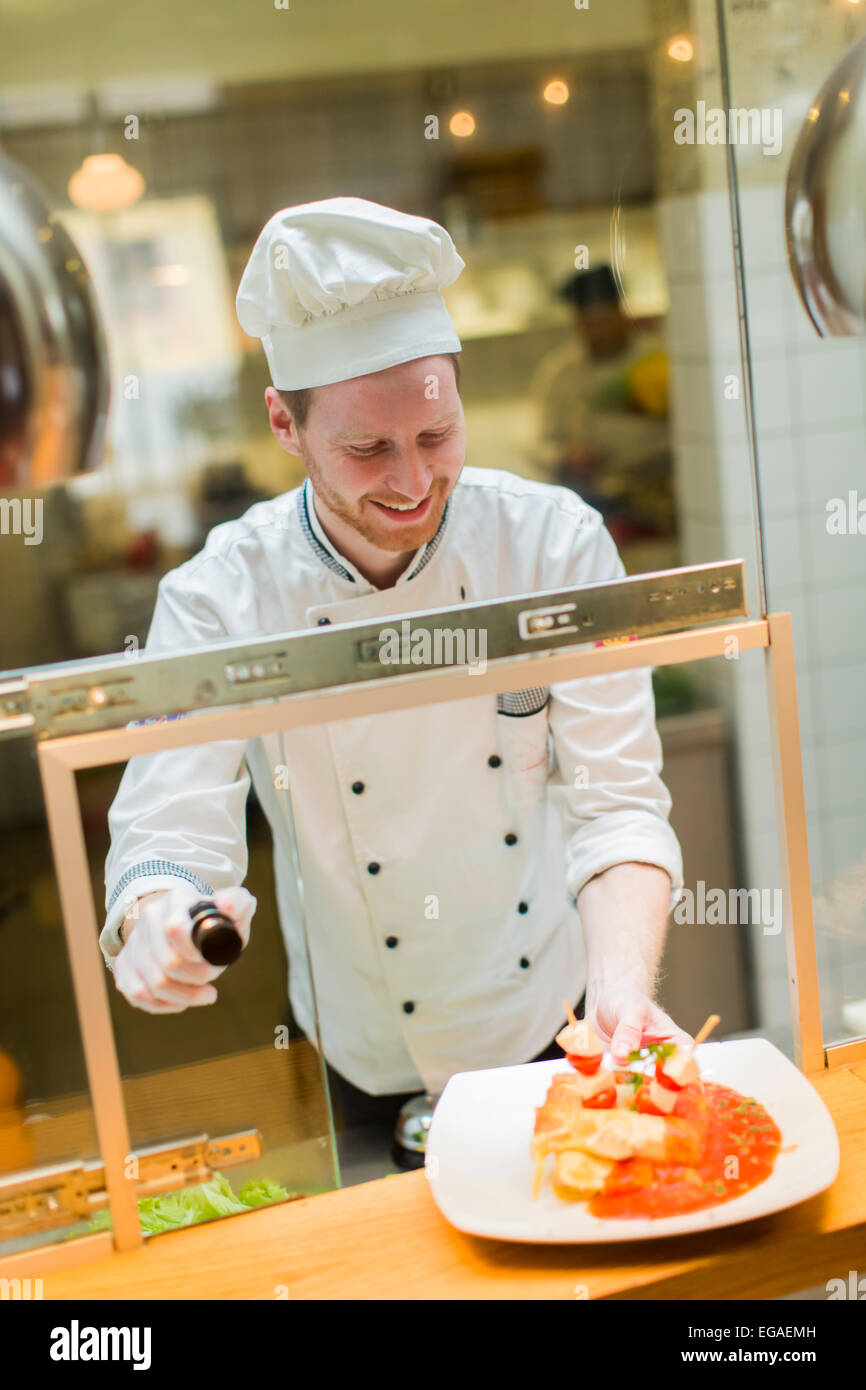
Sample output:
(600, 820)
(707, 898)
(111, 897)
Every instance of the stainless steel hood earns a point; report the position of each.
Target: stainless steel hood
(53, 363)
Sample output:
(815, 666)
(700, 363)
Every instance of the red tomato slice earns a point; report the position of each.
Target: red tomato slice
(642, 1100)
(587, 1066)
(602, 1100)
(664, 1080)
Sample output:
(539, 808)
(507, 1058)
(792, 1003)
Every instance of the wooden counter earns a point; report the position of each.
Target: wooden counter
(387, 1240)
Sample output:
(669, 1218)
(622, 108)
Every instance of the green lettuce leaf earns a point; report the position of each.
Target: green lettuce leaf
(260, 1192)
(190, 1205)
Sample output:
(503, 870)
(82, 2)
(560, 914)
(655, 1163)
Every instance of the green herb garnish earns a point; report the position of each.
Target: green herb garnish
(660, 1050)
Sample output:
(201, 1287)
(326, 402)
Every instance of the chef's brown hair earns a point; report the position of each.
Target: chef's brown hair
(298, 402)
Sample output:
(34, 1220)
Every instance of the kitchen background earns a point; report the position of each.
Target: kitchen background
(556, 131)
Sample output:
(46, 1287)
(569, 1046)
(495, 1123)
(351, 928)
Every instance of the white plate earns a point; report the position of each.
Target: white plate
(480, 1171)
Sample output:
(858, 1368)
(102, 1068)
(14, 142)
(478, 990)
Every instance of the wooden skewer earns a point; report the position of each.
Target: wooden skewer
(706, 1030)
(569, 1013)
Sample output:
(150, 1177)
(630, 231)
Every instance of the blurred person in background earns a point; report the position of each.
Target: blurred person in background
(601, 402)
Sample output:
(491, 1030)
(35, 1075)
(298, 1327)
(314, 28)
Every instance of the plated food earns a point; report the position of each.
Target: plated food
(649, 1142)
(480, 1169)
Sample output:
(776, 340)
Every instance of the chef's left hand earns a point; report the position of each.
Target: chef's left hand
(627, 1019)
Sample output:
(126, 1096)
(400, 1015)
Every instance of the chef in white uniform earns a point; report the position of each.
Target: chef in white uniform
(465, 865)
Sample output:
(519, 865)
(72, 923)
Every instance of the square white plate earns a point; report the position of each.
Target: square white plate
(480, 1171)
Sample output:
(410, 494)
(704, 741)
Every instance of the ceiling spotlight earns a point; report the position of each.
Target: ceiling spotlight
(556, 92)
(462, 123)
(682, 50)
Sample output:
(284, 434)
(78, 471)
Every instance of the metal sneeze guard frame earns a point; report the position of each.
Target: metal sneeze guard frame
(61, 757)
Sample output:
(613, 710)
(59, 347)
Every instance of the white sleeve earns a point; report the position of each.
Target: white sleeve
(179, 816)
(607, 787)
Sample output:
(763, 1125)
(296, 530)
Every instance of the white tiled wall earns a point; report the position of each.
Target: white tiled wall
(810, 410)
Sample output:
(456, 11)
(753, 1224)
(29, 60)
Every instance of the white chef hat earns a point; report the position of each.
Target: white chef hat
(343, 287)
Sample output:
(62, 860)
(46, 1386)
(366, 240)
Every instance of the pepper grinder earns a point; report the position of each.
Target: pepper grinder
(214, 934)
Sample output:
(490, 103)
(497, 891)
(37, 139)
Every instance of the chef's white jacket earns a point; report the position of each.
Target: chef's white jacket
(441, 848)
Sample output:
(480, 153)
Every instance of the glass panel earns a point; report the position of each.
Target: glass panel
(46, 1118)
(725, 950)
(241, 1069)
(811, 436)
(544, 164)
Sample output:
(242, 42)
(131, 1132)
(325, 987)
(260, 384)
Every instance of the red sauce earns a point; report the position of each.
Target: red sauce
(735, 1126)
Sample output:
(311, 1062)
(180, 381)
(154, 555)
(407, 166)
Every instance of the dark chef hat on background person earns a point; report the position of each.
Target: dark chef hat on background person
(344, 287)
(586, 287)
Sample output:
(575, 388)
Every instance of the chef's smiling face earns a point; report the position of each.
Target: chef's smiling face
(382, 454)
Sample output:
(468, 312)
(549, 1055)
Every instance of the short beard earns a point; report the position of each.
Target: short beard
(408, 538)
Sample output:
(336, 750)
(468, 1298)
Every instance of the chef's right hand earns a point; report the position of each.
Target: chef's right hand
(159, 969)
